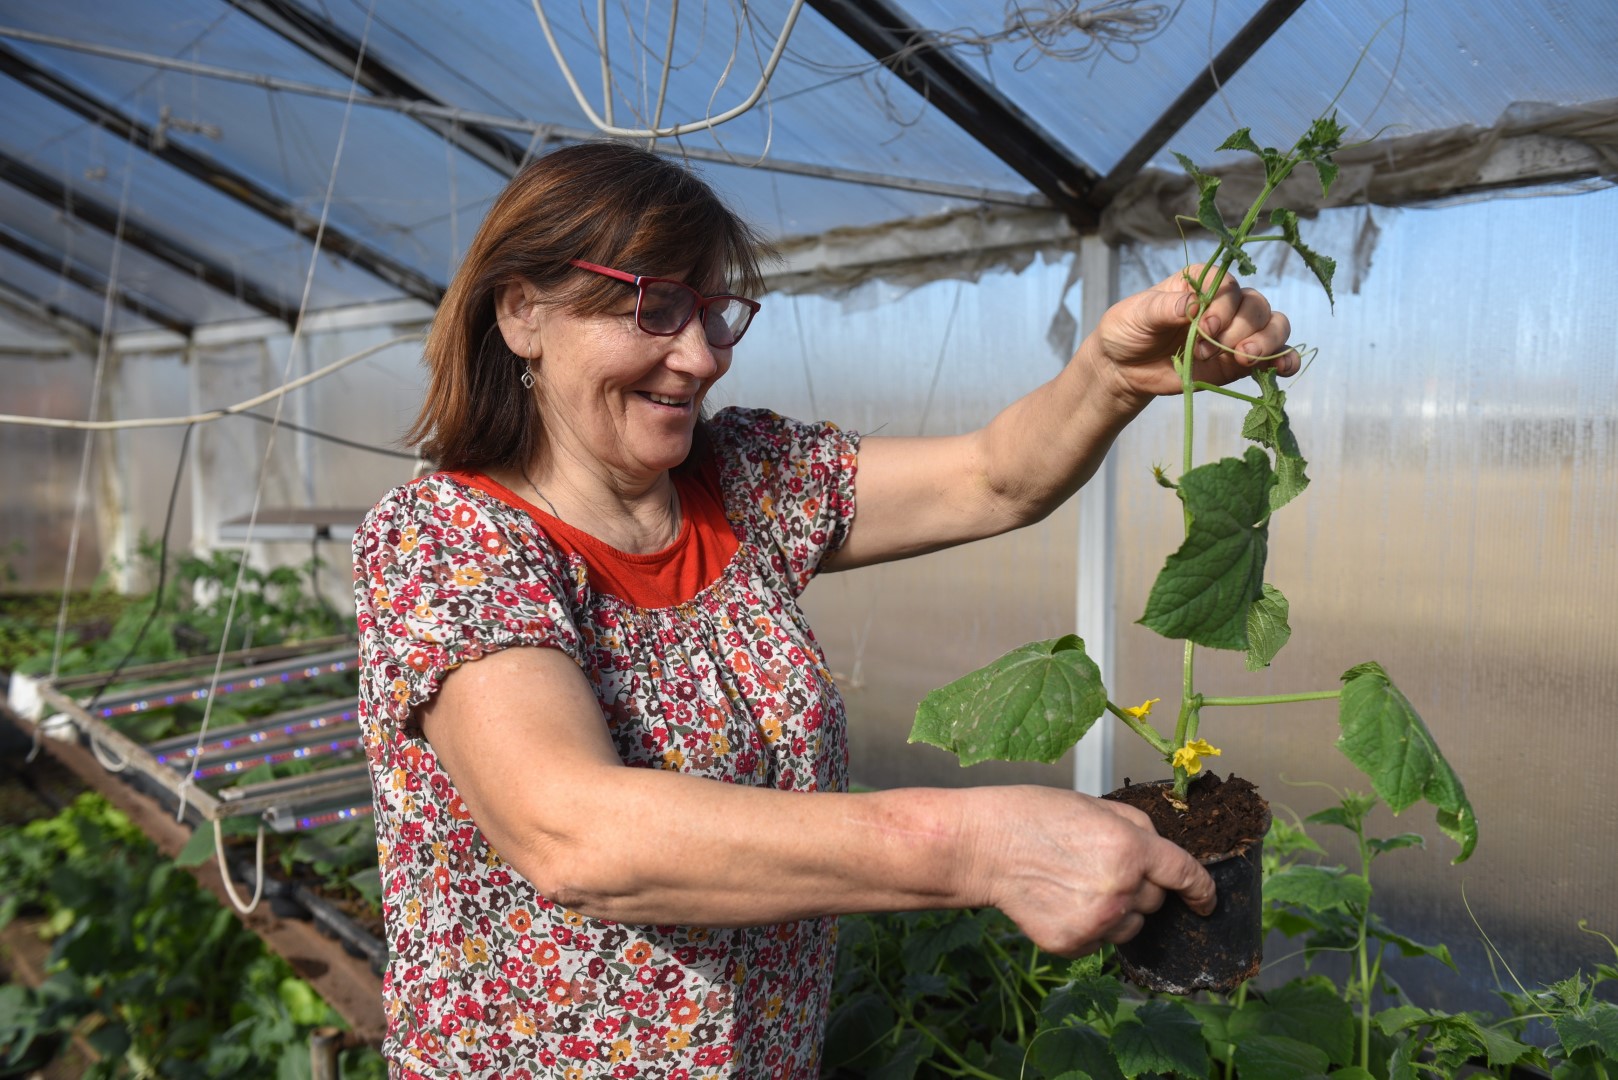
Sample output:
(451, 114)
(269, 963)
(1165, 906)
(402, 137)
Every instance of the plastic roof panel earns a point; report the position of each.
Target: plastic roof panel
(37, 283)
(817, 111)
(167, 202)
(287, 142)
(1428, 72)
(1100, 105)
(148, 278)
(413, 196)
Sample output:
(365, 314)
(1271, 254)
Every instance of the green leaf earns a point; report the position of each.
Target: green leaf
(905, 1059)
(1407, 946)
(1326, 169)
(1323, 266)
(1317, 888)
(923, 948)
(1091, 996)
(855, 1028)
(1351, 1072)
(1161, 1037)
(1070, 1049)
(1267, 424)
(1275, 162)
(1285, 838)
(1207, 210)
(1381, 846)
(1386, 739)
(1267, 628)
(1307, 1010)
(198, 849)
(1597, 1027)
(1205, 588)
(1323, 139)
(1032, 704)
(1275, 1057)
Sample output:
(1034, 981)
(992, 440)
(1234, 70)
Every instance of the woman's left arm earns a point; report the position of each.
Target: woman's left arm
(915, 495)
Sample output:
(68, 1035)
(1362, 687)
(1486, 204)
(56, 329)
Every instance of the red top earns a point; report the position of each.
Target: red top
(660, 579)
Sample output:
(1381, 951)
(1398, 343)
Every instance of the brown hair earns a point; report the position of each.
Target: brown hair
(604, 202)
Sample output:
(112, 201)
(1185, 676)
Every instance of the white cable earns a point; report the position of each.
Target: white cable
(213, 414)
(668, 65)
(606, 63)
(107, 760)
(606, 127)
(224, 869)
(103, 348)
(275, 423)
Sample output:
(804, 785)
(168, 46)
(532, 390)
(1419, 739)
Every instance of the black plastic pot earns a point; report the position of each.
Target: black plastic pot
(1181, 952)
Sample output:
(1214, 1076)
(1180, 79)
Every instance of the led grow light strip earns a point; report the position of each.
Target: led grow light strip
(273, 734)
(332, 817)
(200, 693)
(277, 757)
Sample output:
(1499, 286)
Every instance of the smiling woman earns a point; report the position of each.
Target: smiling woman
(617, 842)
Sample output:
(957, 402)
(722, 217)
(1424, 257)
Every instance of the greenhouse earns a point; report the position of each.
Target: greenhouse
(1369, 568)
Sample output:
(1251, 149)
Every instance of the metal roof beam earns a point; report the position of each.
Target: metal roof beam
(977, 107)
(1237, 51)
(81, 207)
(221, 178)
(47, 314)
(321, 38)
(92, 282)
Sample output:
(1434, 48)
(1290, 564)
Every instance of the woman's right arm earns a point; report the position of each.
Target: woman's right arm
(521, 736)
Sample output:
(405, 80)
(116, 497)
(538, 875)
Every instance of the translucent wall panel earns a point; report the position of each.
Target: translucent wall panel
(41, 473)
(937, 360)
(1461, 423)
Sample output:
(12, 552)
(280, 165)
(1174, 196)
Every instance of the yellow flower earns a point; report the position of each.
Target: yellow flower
(1189, 757)
(1144, 709)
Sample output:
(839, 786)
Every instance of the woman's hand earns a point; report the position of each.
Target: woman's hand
(1073, 871)
(1134, 345)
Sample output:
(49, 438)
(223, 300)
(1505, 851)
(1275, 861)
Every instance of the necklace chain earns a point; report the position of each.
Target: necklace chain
(674, 501)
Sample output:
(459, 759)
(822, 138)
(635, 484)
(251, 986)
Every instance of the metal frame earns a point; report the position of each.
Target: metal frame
(323, 41)
(1237, 51)
(221, 178)
(91, 211)
(279, 803)
(984, 113)
(92, 281)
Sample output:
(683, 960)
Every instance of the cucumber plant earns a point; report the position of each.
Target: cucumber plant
(1035, 702)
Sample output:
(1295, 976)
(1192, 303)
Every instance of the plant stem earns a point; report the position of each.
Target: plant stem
(1362, 947)
(1212, 389)
(1273, 699)
(1142, 728)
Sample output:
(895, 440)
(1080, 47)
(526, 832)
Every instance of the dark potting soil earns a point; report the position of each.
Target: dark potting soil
(1222, 816)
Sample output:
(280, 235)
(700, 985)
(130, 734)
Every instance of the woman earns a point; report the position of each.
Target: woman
(625, 574)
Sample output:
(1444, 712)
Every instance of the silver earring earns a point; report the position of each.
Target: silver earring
(527, 377)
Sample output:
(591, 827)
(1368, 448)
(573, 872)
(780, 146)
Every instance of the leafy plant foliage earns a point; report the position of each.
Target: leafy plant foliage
(159, 978)
(930, 995)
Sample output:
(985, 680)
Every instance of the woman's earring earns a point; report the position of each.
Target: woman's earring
(527, 376)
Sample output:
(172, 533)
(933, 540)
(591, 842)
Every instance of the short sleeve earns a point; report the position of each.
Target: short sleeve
(789, 486)
(443, 575)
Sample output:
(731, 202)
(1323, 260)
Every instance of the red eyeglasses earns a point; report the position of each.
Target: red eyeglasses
(663, 306)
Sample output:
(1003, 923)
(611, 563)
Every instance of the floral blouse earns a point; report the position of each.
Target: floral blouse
(485, 976)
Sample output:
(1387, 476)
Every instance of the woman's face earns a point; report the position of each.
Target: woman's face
(614, 396)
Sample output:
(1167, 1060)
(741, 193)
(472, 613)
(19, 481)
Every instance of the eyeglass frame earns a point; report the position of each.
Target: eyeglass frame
(702, 303)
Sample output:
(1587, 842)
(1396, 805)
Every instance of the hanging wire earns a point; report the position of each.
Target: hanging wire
(258, 492)
(605, 124)
(103, 349)
(240, 408)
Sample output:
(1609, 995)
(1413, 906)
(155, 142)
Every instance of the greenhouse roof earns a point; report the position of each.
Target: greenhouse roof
(175, 163)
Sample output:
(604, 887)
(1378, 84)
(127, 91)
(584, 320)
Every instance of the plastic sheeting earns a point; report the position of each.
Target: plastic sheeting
(1461, 424)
